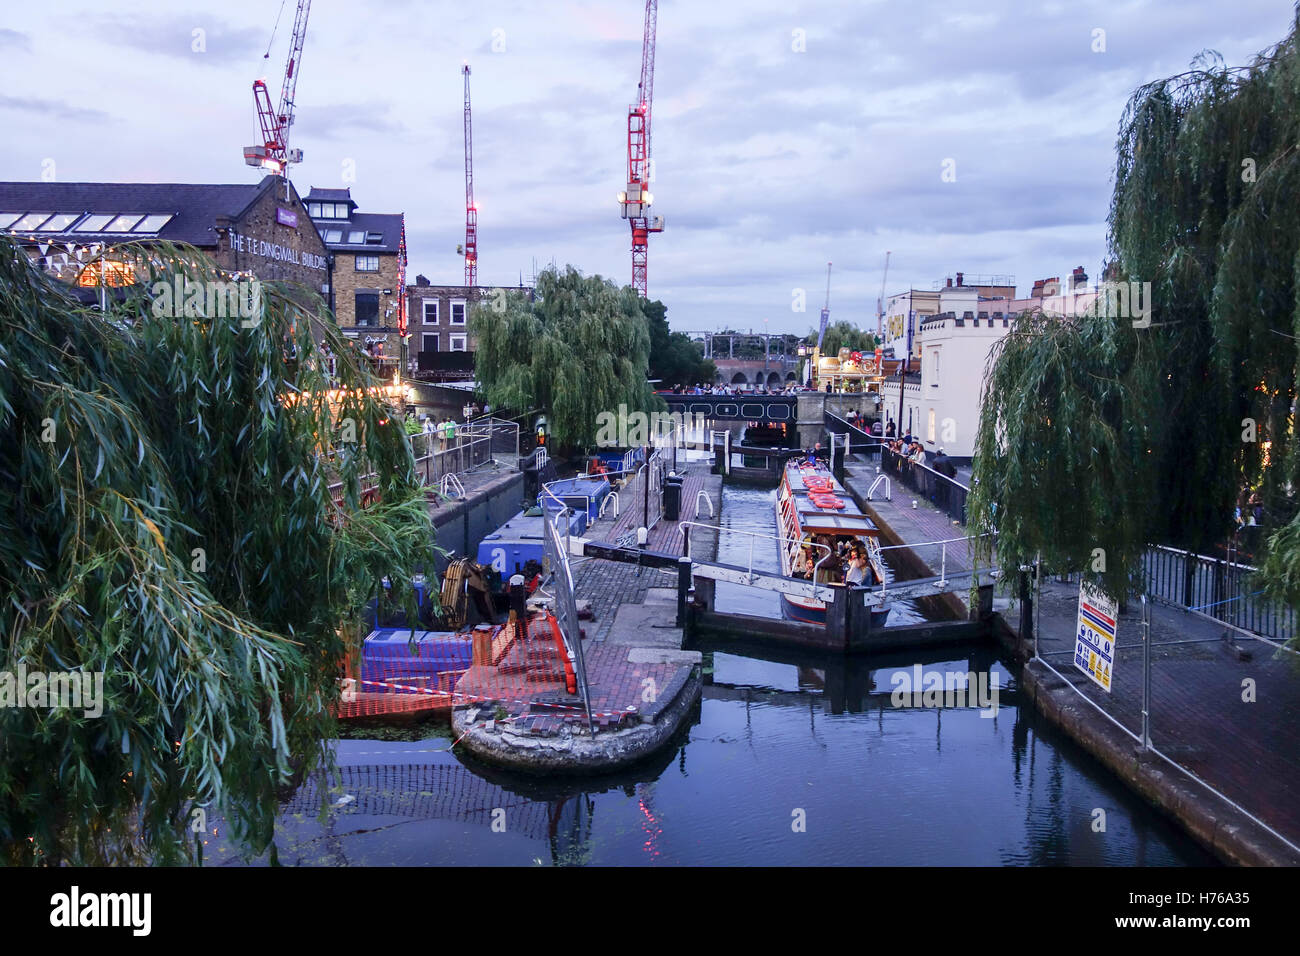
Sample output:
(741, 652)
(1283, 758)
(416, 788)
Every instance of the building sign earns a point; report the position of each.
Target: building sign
(1094, 635)
(286, 217)
(274, 250)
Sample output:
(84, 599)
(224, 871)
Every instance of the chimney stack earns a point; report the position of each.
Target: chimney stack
(959, 278)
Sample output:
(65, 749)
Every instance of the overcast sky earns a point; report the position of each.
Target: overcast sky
(770, 160)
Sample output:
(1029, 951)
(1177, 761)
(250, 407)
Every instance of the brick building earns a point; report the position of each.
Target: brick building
(369, 250)
(260, 229)
(442, 346)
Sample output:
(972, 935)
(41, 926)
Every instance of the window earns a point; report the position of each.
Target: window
(124, 223)
(59, 222)
(367, 308)
(458, 312)
(430, 307)
(327, 210)
(374, 238)
(7, 219)
(931, 425)
(153, 222)
(934, 369)
(334, 235)
(429, 342)
(95, 223)
(456, 343)
(357, 237)
(30, 221)
(367, 263)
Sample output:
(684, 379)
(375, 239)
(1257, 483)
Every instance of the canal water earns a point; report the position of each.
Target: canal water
(790, 760)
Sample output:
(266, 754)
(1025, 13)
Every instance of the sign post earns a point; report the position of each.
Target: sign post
(1094, 635)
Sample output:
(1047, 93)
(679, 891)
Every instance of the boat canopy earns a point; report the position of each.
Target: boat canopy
(819, 519)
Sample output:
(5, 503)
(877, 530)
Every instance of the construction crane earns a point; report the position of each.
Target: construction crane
(636, 199)
(826, 310)
(471, 208)
(273, 153)
(880, 305)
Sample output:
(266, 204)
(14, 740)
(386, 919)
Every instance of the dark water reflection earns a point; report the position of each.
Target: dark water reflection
(779, 739)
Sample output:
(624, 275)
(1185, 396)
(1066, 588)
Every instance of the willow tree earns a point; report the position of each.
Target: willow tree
(1106, 434)
(167, 520)
(579, 348)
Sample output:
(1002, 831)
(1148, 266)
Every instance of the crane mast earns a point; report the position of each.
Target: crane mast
(635, 200)
(880, 305)
(273, 152)
(471, 209)
(826, 310)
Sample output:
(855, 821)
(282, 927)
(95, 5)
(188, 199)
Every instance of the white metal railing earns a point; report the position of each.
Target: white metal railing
(612, 496)
(791, 552)
(707, 500)
(450, 486)
(889, 494)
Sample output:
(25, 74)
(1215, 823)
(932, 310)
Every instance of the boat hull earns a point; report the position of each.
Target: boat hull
(814, 612)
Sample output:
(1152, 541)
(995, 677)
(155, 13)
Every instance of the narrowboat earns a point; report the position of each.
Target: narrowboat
(812, 510)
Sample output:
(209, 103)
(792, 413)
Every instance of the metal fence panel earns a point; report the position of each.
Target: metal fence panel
(566, 610)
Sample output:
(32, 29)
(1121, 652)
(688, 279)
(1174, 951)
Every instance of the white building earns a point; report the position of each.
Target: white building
(950, 351)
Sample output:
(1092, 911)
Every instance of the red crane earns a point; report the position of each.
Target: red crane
(471, 208)
(273, 153)
(636, 199)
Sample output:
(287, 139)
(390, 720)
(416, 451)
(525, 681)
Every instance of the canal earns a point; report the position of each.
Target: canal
(789, 761)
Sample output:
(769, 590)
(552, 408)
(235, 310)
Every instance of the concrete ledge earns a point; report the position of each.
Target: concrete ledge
(579, 753)
(1215, 824)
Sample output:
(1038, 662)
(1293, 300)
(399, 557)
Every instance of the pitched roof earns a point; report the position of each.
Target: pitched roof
(194, 207)
(329, 195)
(388, 225)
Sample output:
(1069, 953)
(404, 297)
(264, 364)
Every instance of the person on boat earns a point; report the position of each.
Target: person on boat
(857, 572)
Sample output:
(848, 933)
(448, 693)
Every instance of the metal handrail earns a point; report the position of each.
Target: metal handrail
(450, 481)
(707, 500)
(798, 543)
(612, 496)
(889, 493)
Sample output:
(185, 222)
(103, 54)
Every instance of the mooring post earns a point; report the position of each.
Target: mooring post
(704, 591)
(838, 620)
(683, 588)
(1026, 614)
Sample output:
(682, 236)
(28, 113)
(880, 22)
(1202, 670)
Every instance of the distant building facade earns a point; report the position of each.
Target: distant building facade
(442, 344)
(942, 393)
(369, 251)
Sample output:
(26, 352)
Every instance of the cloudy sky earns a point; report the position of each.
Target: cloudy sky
(786, 134)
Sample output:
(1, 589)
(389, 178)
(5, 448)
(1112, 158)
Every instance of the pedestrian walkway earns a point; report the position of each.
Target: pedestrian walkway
(901, 523)
(1224, 705)
(666, 536)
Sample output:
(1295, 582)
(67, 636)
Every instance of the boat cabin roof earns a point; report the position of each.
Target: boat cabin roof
(848, 520)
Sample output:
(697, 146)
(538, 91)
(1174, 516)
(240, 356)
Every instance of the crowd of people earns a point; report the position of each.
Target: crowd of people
(702, 388)
(844, 563)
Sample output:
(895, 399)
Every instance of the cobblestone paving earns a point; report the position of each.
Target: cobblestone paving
(607, 584)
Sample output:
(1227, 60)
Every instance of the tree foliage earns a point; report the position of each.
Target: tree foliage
(674, 358)
(581, 347)
(1206, 174)
(843, 335)
(166, 519)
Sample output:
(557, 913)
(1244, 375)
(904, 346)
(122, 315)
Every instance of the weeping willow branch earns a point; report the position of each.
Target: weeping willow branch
(166, 519)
